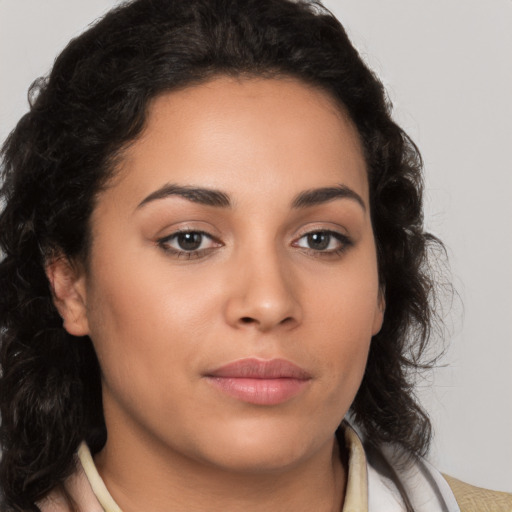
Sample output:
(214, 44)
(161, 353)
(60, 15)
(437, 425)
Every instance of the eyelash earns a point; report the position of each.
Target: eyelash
(344, 241)
(191, 254)
(164, 243)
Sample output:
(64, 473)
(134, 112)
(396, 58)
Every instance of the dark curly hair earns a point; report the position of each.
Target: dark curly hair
(60, 155)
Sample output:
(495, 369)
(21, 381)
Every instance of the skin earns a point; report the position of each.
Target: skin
(257, 287)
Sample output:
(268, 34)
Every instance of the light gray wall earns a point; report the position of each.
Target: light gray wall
(447, 65)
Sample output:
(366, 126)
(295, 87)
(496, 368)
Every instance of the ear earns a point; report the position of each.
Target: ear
(67, 282)
(380, 308)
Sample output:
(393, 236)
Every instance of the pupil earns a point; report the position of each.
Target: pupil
(189, 241)
(319, 241)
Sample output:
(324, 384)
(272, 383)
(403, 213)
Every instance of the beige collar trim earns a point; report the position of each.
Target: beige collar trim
(356, 495)
(97, 484)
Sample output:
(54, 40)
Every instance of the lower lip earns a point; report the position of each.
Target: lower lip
(260, 391)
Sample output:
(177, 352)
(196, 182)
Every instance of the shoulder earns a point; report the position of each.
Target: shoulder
(426, 489)
(476, 499)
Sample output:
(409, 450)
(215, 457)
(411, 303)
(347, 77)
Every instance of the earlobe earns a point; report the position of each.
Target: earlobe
(67, 282)
(378, 318)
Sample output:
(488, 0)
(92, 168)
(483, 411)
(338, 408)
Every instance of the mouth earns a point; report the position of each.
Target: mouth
(260, 382)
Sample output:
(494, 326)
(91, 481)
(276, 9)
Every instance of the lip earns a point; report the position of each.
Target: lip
(260, 382)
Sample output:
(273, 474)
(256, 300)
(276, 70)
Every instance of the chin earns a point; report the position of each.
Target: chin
(262, 447)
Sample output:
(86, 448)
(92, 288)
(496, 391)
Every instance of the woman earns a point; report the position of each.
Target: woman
(214, 253)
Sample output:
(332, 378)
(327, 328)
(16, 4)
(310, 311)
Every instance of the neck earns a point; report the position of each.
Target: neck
(145, 477)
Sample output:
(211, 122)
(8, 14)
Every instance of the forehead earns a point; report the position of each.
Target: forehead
(259, 133)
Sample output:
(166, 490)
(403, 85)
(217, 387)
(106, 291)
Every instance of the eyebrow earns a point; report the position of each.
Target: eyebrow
(212, 197)
(323, 195)
(206, 196)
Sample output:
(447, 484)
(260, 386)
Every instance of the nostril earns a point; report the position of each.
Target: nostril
(248, 320)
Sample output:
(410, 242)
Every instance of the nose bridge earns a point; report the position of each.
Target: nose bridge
(263, 291)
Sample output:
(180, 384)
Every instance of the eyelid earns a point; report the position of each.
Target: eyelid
(337, 232)
(164, 243)
(333, 234)
(327, 227)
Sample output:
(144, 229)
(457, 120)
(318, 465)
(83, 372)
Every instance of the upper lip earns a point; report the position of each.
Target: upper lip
(253, 368)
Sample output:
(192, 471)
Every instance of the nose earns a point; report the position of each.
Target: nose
(263, 294)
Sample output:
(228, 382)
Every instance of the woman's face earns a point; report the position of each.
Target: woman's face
(232, 290)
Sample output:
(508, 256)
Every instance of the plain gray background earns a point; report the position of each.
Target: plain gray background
(447, 66)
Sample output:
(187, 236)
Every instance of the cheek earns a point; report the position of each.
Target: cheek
(346, 312)
(345, 343)
(148, 321)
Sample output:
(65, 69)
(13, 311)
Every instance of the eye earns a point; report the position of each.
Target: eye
(327, 242)
(189, 244)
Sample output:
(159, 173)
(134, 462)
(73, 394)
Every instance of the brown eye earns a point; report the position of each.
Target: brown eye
(189, 241)
(319, 241)
(326, 242)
